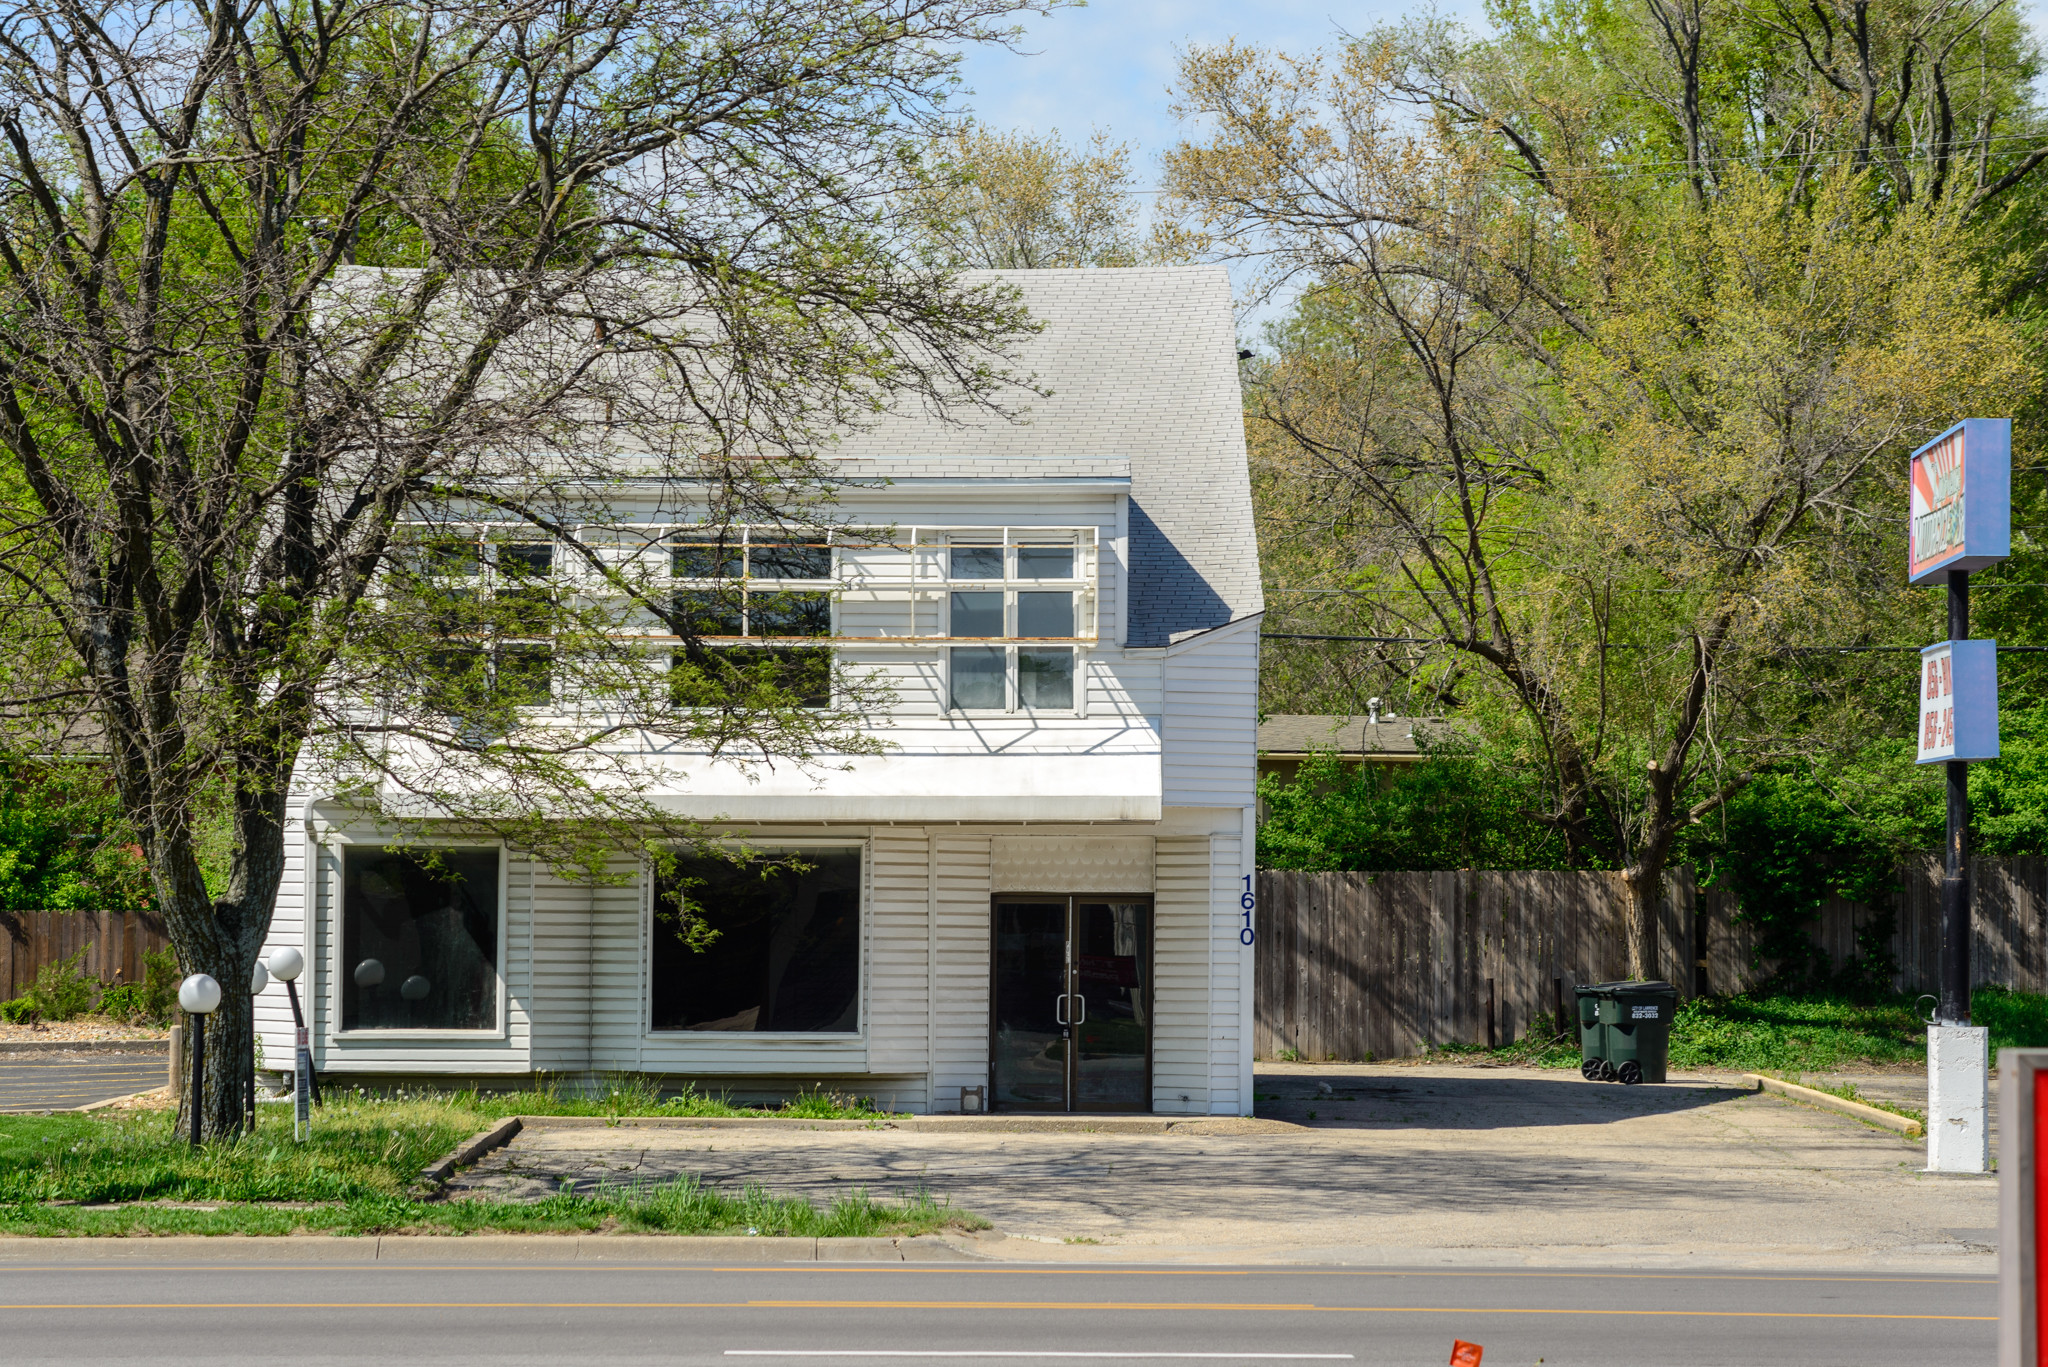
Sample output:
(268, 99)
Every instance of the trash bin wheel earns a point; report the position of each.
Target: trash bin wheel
(1606, 1071)
(1631, 1073)
(1590, 1069)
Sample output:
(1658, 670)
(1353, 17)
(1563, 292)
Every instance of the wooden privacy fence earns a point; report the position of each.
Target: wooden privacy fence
(114, 943)
(1350, 965)
(2008, 946)
(1355, 964)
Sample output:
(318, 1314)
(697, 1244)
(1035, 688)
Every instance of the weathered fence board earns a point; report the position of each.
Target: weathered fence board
(114, 943)
(1355, 964)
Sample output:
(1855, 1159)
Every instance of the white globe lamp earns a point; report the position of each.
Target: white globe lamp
(199, 995)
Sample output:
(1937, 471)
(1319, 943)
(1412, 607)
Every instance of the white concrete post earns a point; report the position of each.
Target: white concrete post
(1958, 1090)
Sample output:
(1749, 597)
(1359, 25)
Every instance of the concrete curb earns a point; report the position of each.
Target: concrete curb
(113, 1100)
(999, 1124)
(497, 1137)
(86, 1046)
(1869, 1114)
(438, 1248)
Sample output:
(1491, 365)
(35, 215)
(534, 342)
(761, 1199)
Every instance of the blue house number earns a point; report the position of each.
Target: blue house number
(1249, 903)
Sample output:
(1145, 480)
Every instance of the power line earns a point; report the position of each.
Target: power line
(1617, 645)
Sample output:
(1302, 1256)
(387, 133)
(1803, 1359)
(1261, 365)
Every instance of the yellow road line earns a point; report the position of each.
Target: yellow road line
(1092, 1270)
(986, 1305)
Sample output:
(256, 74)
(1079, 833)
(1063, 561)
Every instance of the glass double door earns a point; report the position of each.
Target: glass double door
(1071, 1004)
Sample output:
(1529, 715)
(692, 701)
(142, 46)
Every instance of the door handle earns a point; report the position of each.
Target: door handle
(1059, 1010)
(1081, 1001)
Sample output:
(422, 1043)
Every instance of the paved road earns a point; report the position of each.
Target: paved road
(41, 1082)
(434, 1307)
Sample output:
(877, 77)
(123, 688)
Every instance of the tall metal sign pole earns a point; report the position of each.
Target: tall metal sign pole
(1960, 520)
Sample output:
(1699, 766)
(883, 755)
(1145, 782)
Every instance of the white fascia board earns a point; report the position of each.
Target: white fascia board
(899, 787)
(1101, 484)
(1211, 635)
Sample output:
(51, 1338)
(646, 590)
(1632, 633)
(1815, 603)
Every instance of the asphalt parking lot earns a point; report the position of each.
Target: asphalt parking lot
(64, 1082)
(1356, 1163)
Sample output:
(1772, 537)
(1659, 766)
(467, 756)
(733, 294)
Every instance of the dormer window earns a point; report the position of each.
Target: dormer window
(1005, 592)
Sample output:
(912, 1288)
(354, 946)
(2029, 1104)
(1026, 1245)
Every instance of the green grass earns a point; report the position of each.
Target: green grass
(1797, 1034)
(1849, 1091)
(628, 1094)
(680, 1207)
(358, 1166)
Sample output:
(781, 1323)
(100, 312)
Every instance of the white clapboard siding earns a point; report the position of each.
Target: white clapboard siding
(318, 982)
(897, 1006)
(1229, 1016)
(570, 917)
(1182, 935)
(274, 1029)
(960, 870)
(618, 975)
(1211, 723)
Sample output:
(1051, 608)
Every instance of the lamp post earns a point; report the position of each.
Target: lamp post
(286, 964)
(259, 978)
(200, 996)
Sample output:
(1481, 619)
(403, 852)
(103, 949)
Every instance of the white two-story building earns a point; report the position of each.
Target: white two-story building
(1037, 897)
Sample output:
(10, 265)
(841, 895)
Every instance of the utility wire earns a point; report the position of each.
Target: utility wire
(1614, 645)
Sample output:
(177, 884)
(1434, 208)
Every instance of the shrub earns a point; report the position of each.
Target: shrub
(60, 990)
(122, 1001)
(1456, 809)
(17, 1011)
(150, 1001)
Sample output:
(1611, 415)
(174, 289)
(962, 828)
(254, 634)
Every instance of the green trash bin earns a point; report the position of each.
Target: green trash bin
(1625, 1030)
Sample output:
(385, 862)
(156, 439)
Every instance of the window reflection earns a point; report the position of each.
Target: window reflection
(785, 956)
(419, 940)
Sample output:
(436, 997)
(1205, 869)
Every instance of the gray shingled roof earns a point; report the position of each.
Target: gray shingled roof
(1142, 365)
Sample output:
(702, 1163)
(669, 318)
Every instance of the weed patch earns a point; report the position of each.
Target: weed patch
(132, 1174)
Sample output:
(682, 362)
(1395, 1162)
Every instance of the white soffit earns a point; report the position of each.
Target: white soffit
(1041, 863)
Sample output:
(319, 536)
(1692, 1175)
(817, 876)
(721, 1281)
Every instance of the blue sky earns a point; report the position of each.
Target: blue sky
(1109, 65)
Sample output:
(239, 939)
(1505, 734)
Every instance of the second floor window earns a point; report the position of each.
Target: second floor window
(1010, 678)
(742, 584)
(723, 612)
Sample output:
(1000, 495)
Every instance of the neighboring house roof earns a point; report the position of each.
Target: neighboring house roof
(1297, 735)
(1142, 368)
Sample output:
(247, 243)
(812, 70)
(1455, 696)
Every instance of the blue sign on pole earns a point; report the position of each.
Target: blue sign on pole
(1958, 701)
(1960, 500)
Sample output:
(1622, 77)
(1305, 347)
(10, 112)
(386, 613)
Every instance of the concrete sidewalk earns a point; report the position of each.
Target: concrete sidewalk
(1384, 1165)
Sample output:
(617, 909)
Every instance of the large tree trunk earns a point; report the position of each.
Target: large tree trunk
(222, 938)
(1644, 880)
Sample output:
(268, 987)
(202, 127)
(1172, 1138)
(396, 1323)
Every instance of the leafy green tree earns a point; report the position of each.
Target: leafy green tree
(1607, 360)
(320, 323)
(1016, 201)
(64, 845)
(1451, 810)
